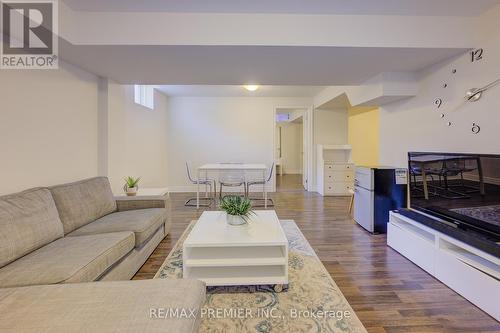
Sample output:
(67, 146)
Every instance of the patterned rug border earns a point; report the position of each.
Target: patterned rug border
(181, 237)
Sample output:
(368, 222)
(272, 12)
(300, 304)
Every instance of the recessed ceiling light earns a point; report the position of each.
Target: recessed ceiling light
(251, 87)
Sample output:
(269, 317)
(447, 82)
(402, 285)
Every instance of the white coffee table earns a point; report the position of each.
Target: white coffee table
(224, 255)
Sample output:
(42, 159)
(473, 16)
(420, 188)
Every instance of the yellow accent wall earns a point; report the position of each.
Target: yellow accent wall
(364, 135)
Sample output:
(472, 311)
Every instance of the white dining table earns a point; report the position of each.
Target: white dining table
(230, 167)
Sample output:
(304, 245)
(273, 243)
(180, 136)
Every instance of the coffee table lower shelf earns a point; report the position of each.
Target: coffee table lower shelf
(237, 265)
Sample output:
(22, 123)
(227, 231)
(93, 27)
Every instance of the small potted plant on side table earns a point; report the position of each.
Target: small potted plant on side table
(131, 186)
(238, 209)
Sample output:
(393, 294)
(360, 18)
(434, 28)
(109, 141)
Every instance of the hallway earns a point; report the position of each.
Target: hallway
(289, 183)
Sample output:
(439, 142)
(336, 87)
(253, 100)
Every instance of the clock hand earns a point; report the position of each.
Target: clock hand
(474, 94)
(491, 85)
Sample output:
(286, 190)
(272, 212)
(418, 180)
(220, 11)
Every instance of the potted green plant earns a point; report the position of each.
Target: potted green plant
(131, 185)
(238, 209)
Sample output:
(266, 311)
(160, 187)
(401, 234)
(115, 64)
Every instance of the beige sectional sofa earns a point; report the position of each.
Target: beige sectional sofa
(76, 233)
(79, 233)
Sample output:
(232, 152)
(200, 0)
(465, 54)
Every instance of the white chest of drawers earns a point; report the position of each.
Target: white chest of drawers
(335, 171)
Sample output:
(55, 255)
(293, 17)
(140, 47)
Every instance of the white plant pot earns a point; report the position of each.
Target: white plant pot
(131, 191)
(235, 220)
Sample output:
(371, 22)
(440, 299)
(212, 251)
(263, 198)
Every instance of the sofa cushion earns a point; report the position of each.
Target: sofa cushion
(28, 221)
(143, 222)
(82, 202)
(68, 259)
(119, 306)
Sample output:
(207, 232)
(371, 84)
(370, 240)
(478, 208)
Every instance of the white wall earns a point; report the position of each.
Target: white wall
(330, 128)
(65, 125)
(137, 138)
(221, 129)
(415, 124)
(291, 147)
(48, 127)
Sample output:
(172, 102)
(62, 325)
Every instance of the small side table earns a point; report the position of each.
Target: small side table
(145, 193)
(146, 198)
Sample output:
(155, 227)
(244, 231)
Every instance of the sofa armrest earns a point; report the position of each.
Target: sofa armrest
(132, 203)
(99, 302)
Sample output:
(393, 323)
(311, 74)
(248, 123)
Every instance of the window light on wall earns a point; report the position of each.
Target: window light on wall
(144, 95)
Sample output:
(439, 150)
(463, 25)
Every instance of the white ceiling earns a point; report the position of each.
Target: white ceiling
(237, 65)
(239, 91)
(335, 7)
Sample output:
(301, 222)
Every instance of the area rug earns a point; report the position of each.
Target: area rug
(490, 214)
(312, 303)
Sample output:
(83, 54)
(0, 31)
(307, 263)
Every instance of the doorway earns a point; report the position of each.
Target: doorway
(291, 149)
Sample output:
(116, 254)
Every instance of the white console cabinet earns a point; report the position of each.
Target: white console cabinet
(335, 174)
(472, 273)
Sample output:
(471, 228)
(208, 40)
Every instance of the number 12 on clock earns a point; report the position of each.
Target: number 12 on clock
(476, 55)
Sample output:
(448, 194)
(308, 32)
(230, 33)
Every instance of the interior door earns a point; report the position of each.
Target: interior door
(278, 143)
(304, 150)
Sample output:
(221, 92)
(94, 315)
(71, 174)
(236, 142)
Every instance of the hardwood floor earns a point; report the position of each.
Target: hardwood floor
(289, 183)
(389, 293)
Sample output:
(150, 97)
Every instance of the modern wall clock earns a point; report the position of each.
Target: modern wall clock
(471, 95)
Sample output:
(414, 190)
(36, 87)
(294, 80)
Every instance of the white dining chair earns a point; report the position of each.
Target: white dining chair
(210, 184)
(263, 182)
(232, 178)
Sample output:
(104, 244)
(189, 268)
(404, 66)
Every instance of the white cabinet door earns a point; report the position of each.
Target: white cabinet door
(363, 207)
(410, 244)
(364, 177)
